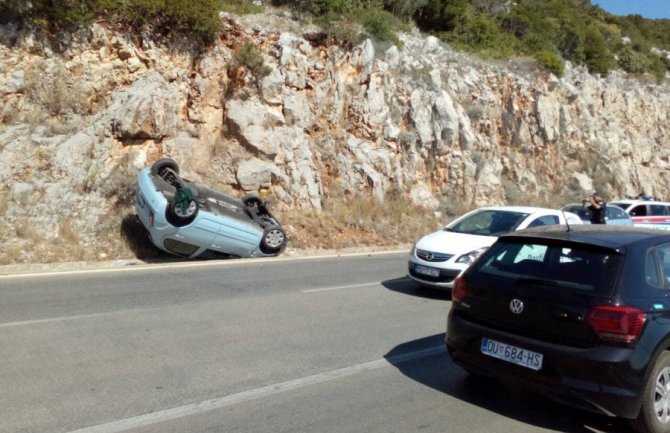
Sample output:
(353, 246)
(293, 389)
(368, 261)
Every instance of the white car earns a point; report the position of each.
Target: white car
(438, 258)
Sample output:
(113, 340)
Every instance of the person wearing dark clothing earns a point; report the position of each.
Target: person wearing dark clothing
(596, 205)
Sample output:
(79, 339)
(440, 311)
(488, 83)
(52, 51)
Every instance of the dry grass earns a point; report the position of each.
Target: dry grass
(70, 243)
(359, 222)
(57, 90)
(29, 232)
(4, 201)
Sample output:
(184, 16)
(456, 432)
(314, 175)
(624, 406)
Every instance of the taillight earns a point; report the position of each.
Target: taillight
(617, 323)
(151, 218)
(460, 290)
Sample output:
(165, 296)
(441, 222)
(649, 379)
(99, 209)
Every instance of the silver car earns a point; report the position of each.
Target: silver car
(188, 219)
(613, 215)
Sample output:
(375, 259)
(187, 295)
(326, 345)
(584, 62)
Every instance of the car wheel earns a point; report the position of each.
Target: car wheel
(158, 169)
(273, 239)
(182, 208)
(168, 170)
(654, 416)
(252, 201)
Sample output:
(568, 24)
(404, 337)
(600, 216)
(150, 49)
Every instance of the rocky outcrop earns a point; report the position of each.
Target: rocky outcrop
(451, 132)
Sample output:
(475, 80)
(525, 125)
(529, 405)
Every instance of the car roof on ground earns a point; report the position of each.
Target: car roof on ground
(609, 236)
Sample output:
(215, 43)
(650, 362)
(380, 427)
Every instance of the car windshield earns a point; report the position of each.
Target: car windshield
(583, 213)
(488, 222)
(552, 266)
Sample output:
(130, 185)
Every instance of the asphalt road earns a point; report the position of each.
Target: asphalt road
(321, 344)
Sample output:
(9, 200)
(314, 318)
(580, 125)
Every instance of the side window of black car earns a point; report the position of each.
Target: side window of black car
(663, 254)
(652, 274)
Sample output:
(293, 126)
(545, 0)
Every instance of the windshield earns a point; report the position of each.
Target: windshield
(488, 222)
(583, 213)
(566, 266)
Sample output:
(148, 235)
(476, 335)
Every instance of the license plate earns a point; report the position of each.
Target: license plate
(513, 354)
(425, 270)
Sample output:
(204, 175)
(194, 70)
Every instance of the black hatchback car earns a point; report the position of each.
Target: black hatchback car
(580, 314)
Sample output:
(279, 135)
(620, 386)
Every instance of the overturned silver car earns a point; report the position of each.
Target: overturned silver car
(190, 220)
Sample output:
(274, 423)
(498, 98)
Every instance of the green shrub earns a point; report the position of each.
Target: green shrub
(382, 25)
(632, 61)
(240, 7)
(200, 17)
(248, 55)
(551, 61)
(596, 55)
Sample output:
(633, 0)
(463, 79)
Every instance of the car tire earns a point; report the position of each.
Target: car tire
(656, 393)
(274, 239)
(179, 217)
(252, 201)
(158, 169)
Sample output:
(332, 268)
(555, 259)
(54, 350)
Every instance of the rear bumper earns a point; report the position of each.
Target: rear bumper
(600, 379)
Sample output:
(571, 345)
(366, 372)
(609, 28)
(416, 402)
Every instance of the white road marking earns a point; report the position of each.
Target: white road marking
(130, 310)
(350, 286)
(254, 394)
(55, 319)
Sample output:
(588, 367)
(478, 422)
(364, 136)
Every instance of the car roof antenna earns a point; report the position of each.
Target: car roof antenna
(567, 224)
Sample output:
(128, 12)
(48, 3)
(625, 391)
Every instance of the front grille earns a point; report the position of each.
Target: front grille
(430, 256)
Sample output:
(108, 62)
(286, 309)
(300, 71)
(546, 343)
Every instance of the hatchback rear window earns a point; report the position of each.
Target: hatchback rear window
(560, 266)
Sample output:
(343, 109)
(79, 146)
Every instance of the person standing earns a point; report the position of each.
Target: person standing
(596, 205)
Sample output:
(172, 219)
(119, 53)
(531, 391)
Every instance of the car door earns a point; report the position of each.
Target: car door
(617, 216)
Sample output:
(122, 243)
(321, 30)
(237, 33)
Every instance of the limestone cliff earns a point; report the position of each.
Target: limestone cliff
(80, 116)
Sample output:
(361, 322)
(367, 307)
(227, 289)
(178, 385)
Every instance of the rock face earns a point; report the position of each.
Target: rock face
(451, 132)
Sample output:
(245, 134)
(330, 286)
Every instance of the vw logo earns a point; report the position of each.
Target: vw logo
(516, 306)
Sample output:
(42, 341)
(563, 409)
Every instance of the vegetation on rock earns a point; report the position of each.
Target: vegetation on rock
(552, 31)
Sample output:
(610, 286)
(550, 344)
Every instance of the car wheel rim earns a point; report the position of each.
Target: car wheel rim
(190, 210)
(274, 238)
(662, 396)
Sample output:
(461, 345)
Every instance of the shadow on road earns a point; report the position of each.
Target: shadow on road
(438, 372)
(406, 286)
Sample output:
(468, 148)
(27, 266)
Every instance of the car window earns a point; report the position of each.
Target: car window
(544, 220)
(531, 252)
(651, 272)
(658, 209)
(581, 211)
(663, 254)
(640, 210)
(615, 213)
(488, 222)
(551, 266)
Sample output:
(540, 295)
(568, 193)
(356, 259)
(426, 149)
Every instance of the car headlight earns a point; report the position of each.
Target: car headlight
(471, 256)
